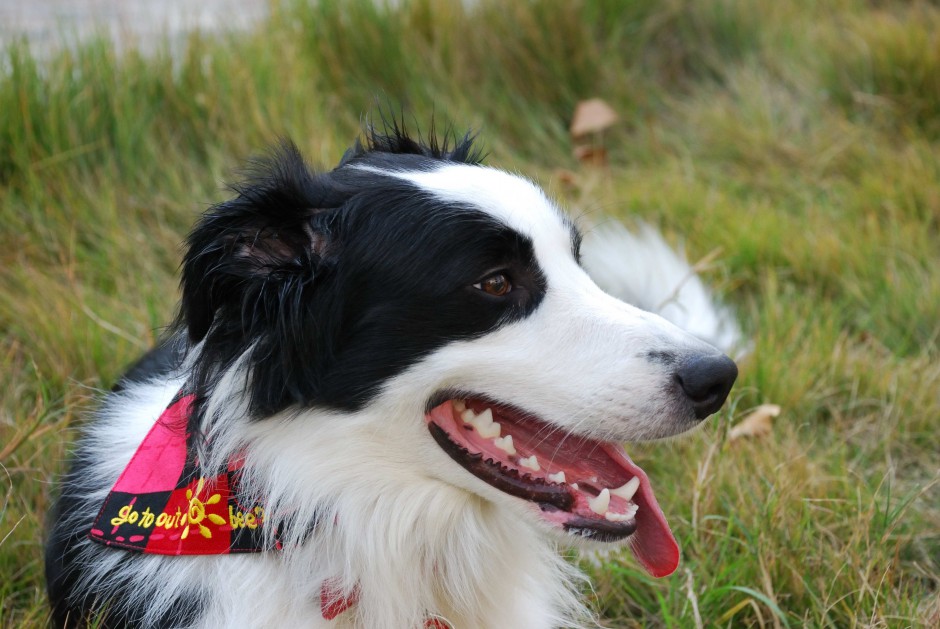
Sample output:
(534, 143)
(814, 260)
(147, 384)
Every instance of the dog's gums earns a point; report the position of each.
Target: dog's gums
(504, 478)
(588, 488)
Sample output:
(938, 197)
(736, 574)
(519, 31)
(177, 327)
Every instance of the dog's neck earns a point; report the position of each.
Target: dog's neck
(358, 508)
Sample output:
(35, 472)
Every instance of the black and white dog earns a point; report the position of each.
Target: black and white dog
(392, 393)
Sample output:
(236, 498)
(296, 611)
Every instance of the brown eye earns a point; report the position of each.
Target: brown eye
(496, 285)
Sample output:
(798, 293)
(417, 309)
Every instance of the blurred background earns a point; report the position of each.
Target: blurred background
(145, 24)
(791, 148)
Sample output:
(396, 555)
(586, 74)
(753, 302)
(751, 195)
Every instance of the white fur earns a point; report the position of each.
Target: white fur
(368, 499)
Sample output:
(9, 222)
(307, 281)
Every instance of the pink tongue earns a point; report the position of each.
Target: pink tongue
(652, 543)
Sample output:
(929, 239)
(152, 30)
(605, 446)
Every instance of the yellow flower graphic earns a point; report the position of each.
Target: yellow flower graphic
(197, 511)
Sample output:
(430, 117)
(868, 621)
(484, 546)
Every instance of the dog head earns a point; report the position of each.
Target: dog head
(418, 287)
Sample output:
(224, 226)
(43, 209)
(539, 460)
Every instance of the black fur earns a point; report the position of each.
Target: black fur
(394, 140)
(341, 280)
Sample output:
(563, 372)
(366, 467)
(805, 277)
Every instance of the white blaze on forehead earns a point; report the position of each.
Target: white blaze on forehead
(512, 200)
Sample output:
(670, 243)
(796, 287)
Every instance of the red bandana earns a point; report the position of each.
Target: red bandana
(160, 505)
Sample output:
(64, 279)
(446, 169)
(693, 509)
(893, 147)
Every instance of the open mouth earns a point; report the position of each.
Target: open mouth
(587, 487)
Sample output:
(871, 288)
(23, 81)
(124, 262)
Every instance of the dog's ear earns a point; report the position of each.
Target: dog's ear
(269, 244)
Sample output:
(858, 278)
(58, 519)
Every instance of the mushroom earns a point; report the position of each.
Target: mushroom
(591, 116)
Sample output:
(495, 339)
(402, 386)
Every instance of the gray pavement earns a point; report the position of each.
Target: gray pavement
(51, 24)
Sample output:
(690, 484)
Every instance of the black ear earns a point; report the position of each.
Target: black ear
(268, 245)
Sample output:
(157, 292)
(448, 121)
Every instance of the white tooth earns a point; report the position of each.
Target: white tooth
(632, 509)
(557, 478)
(628, 489)
(467, 415)
(505, 444)
(460, 406)
(617, 517)
(490, 431)
(482, 420)
(575, 486)
(485, 425)
(600, 504)
(532, 463)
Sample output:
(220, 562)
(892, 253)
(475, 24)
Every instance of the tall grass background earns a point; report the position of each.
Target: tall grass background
(794, 144)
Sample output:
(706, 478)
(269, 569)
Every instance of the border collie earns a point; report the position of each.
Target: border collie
(391, 394)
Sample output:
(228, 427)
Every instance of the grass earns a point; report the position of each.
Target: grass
(801, 140)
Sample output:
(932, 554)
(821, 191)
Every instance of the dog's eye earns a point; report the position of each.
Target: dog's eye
(496, 285)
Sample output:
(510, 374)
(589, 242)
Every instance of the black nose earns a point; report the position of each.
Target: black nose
(706, 380)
